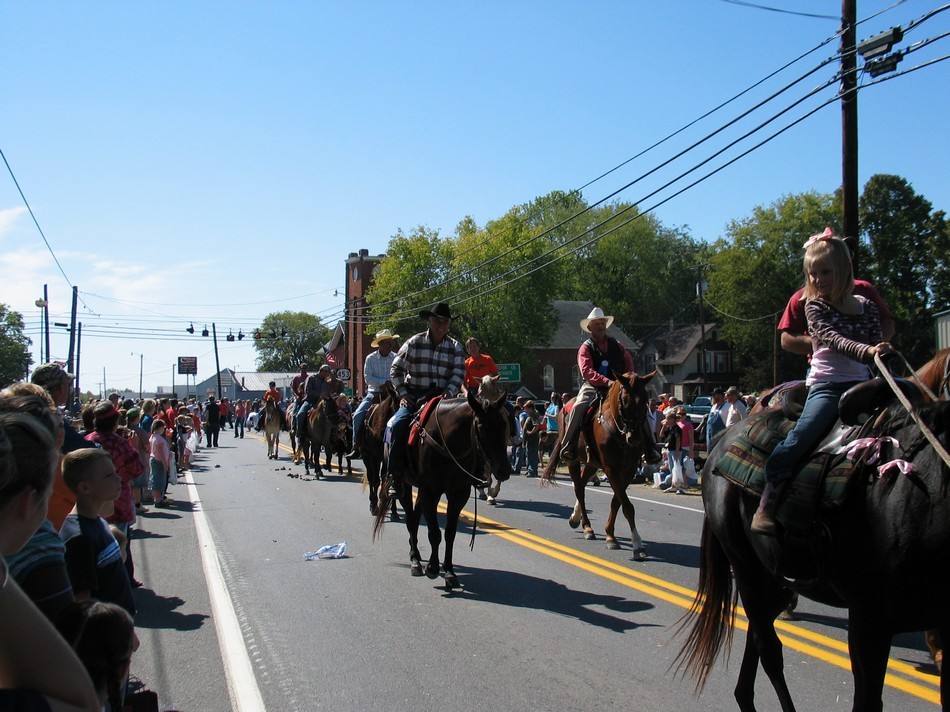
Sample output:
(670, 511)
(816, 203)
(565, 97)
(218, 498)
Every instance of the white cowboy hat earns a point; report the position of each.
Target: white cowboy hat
(595, 314)
(383, 336)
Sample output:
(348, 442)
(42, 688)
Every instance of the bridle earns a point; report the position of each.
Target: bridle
(480, 456)
(622, 425)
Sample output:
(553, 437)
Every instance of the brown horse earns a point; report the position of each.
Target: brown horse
(461, 440)
(371, 445)
(273, 421)
(318, 435)
(884, 554)
(615, 441)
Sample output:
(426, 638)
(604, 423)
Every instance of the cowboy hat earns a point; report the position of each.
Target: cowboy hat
(595, 314)
(383, 335)
(442, 311)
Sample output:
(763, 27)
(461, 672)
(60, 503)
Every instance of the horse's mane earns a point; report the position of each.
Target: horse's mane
(934, 373)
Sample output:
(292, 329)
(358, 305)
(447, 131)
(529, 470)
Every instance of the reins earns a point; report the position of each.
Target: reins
(928, 433)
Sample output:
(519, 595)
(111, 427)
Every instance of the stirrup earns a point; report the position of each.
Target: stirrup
(763, 523)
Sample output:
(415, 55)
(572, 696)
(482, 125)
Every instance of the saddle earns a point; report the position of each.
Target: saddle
(591, 410)
(823, 480)
(421, 418)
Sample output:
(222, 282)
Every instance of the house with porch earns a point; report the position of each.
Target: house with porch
(689, 360)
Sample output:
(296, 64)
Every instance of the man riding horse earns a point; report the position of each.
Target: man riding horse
(376, 370)
(428, 364)
(319, 385)
(600, 359)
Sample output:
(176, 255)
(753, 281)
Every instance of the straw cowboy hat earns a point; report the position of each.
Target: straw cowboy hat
(595, 314)
(383, 335)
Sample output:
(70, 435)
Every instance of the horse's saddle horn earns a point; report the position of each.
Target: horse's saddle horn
(860, 402)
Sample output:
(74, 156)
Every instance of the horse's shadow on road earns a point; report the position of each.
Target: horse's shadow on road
(156, 611)
(519, 590)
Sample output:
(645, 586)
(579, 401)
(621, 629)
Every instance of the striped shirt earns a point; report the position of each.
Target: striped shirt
(421, 365)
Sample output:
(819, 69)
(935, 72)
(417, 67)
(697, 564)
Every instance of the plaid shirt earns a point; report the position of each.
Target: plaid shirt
(128, 466)
(376, 369)
(421, 365)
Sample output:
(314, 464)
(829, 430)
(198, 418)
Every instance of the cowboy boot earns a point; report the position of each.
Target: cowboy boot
(763, 521)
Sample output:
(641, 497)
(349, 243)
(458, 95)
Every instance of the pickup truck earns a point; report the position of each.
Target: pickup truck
(699, 409)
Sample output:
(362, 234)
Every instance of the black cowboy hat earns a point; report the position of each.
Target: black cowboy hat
(442, 310)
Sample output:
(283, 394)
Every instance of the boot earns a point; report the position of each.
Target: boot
(763, 521)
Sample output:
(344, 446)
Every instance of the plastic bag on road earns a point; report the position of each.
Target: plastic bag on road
(330, 551)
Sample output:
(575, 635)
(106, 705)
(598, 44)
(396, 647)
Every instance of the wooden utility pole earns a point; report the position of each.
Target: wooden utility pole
(849, 126)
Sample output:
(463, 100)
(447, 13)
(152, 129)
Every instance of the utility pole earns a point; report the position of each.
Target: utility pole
(217, 364)
(849, 126)
(78, 352)
(72, 333)
(702, 324)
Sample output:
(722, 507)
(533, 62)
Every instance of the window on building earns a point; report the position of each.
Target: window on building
(548, 378)
(649, 362)
(576, 378)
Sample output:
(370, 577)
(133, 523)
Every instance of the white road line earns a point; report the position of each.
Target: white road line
(242, 684)
(604, 489)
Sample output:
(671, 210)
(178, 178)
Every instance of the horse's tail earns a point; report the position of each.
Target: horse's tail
(715, 611)
(382, 511)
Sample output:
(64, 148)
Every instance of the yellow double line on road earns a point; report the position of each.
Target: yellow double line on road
(901, 676)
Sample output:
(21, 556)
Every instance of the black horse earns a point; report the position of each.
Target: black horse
(462, 440)
(886, 553)
(371, 443)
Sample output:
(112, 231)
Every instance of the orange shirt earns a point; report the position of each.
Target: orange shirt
(477, 367)
(273, 395)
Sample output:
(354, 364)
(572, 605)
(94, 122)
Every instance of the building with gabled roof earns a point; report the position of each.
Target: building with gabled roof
(676, 353)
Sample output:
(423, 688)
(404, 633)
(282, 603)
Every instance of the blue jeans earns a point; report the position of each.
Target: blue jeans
(239, 427)
(360, 413)
(301, 418)
(531, 451)
(818, 415)
(399, 434)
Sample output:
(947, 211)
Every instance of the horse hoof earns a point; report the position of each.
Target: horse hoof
(451, 580)
(573, 524)
(590, 536)
(432, 571)
(613, 545)
(491, 501)
(640, 554)
(482, 495)
(415, 570)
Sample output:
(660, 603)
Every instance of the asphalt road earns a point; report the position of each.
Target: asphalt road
(232, 617)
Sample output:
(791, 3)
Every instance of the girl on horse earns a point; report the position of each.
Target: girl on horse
(846, 334)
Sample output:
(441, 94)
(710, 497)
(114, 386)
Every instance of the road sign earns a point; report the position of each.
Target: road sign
(188, 365)
(510, 372)
(343, 374)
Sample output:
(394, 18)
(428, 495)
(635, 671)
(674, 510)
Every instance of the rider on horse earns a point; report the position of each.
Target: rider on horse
(599, 358)
(428, 364)
(376, 370)
(319, 385)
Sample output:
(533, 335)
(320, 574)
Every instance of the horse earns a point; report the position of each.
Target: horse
(883, 556)
(460, 441)
(273, 419)
(490, 390)
(371, 445)
(615, 441)
(317, 435)
(341, 439)
(290, 425)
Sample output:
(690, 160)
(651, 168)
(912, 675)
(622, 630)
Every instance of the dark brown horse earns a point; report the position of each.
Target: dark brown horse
(885, 557)
(462, 440)
(615, 442)
(318, 435)
(371, 442)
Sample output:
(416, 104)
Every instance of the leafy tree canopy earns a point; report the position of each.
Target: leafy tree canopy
(289, 338)
(15, 356)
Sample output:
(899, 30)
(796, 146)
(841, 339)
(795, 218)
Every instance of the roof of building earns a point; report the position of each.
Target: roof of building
(569, 335)
(673, 347)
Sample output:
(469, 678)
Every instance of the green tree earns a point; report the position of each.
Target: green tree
(289, 338)
(15, 356)
(752, 272)
(409, 279)
(907, 259)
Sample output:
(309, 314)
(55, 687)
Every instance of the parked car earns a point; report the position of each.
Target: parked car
(699, 408)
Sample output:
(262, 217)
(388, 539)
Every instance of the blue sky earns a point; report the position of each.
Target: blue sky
(217, 161)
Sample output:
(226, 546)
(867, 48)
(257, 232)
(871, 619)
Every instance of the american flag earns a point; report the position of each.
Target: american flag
(331, 359)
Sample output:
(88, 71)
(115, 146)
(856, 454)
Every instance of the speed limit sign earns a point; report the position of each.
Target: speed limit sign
(343, 374)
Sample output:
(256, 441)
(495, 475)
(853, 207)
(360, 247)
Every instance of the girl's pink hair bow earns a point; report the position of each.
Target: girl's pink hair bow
(820, 237)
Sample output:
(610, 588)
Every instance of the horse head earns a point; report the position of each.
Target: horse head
(630, 403)
(490, 389)
(491, 432)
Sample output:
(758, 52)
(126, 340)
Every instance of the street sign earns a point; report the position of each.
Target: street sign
(510, 372)
(188, 365)
(343, 374)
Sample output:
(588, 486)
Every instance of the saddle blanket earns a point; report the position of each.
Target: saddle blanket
(821, 481)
